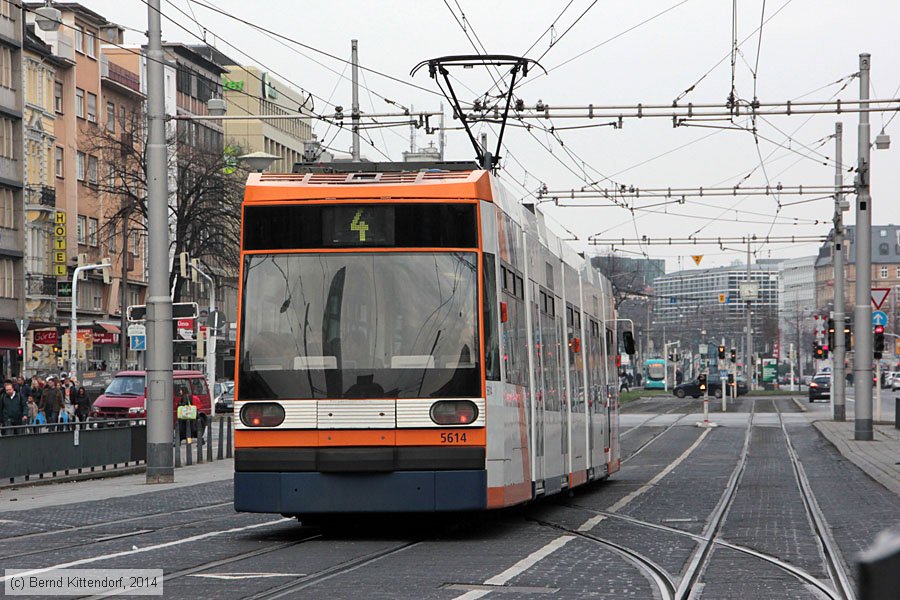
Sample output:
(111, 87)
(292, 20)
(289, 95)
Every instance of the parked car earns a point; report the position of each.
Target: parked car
(893, 381)
(820, 387)
(221, 387)
(125, 396)
(225, 401)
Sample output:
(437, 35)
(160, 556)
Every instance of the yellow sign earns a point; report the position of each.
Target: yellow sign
(697, 259)
(59, 243)
(60, 218)
(59, 231)
(61, 270)
(59, 257)
(722, 298)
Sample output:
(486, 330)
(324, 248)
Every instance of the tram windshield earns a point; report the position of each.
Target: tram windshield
(360, 325)
(656, 370)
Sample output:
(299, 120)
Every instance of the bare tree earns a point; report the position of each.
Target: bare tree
(204, 206)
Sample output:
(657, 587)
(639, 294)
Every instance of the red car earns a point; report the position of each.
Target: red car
(125, 396)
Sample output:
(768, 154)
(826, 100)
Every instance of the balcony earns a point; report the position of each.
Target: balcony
(40, 202)
(120, 75)
(38, 286)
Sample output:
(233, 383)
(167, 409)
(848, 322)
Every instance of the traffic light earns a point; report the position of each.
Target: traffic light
(831, 333)
(20, 352)
(819, 351)
(721, 352)
(733, 355)
(56, 350)
(878, 341)
(701, 380)
(847, 337)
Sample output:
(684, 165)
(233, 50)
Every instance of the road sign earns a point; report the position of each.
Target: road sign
(137, 329)
(64, 289)
(697, 258)
(879, 295)
(138, 342)
(879, 317)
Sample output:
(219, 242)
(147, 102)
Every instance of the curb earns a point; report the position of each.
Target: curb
(75, 477)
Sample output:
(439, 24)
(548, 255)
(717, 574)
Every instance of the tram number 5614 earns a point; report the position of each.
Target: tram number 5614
(453, 437)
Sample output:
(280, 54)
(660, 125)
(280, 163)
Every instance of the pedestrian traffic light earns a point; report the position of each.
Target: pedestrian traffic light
(20, 352)
(701, 380)
(733, 355)
(878, 341)
(721, 352)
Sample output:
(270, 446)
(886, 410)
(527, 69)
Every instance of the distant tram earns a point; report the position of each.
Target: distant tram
(412, 339)
(654, 374)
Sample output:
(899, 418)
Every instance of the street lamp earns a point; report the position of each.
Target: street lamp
(258, 161)
(48, 18)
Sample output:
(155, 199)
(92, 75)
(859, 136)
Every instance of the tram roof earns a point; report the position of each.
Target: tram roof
(346, 181)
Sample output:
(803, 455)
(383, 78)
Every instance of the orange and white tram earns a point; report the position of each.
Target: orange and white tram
(414, 341)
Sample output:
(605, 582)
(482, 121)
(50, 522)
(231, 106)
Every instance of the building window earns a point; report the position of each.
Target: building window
(58, 97)
(110, 176)
(92, 107)
(79, 103)
(92, 232)
(60, 165)
(7, 278)
(79, 39)
(884, 272)
(6, 67)
(7, 138)
(80, 166)
(7, 214)
(135, 242)
(883, 249)
(111, 242)
(898, 275)
(111, 117)
(92, 169)
(82, 229)
(90, 44)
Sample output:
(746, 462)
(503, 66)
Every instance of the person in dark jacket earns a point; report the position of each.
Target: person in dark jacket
(52, 401)
(13, 408)
(82, 404)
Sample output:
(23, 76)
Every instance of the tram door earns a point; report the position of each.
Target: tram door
(538, 391)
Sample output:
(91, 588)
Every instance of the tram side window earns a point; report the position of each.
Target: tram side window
(515, 338)
(491, 335)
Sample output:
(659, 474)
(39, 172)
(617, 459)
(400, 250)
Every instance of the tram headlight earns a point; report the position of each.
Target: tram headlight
(262, 414)
(454, 412)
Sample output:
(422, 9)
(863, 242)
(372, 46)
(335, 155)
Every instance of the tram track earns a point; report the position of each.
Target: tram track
(830, 554)
(710, 538)
(111, 537)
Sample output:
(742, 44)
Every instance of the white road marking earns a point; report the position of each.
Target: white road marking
(518, 568)
(592, 522)
(194, 538)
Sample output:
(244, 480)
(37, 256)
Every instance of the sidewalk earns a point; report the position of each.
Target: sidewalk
(115, 486)
(879, 458)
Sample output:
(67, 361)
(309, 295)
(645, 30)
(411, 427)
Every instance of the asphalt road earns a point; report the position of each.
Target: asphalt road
(712, 513)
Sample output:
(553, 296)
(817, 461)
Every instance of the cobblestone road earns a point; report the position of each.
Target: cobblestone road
(644, 533)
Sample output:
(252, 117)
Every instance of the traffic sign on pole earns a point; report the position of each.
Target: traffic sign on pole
(879, 317)
(879, 295)
(138, 342)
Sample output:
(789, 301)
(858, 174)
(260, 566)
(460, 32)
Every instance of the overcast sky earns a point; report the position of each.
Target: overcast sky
(808, 49)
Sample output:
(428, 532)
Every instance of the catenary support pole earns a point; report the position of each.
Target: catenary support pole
(862, 311)
(354, 110)
(838, 383)
(159, 305)
(748, 359)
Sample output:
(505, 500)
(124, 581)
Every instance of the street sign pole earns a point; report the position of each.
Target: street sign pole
(838, 380)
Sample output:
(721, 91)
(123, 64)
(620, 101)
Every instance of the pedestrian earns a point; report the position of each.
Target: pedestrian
(82, 404)
(187, 427)
(13, 409)
(623, 381)
(52, 401)
(32, 414)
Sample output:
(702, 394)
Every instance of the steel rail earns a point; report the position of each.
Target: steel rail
(658, 575)
(830, 553)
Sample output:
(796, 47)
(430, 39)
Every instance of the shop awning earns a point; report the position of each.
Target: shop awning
(108, 327)
(9, 339)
